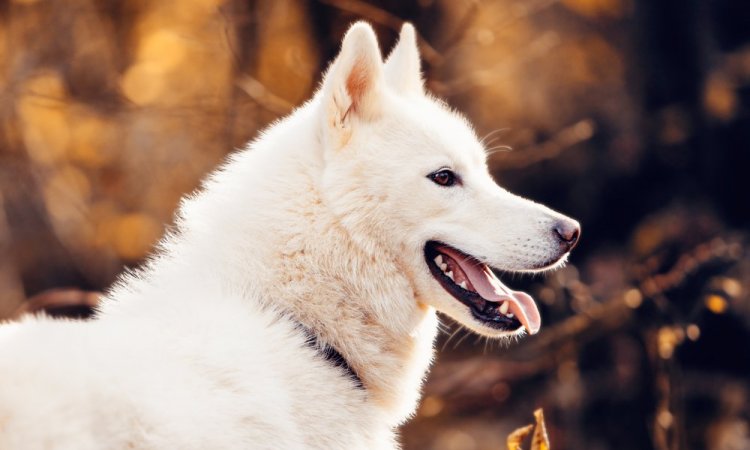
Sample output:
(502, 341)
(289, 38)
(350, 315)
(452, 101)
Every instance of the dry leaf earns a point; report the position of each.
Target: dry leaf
(539, 440)
(515, 438)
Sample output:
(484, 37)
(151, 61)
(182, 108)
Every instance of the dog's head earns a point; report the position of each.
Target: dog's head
(408, 177)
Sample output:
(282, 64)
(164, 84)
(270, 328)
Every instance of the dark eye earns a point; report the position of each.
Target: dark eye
(443, 177)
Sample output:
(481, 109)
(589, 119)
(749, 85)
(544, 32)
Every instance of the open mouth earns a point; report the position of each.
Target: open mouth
(475, 285)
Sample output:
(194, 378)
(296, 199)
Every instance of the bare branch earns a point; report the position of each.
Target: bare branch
(262, 96)
(382, 17)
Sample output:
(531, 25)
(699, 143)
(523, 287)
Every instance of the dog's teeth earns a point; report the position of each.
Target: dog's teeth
(504, 308)
(443, 267)
(449, 275)
(439, 260)
(462, 284)
(509, 315)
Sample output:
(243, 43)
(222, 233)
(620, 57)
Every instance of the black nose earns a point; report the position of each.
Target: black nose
(568, 233)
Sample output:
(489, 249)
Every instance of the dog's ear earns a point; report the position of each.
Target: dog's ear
(353, 85)
(402, 68)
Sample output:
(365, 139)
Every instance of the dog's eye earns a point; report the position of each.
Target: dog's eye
(443, 177)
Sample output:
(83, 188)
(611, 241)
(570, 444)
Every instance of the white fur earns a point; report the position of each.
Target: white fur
(321, 221)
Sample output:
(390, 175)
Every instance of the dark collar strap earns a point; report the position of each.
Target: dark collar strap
(330, 354)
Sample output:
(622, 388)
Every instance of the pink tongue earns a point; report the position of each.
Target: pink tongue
(490, 288)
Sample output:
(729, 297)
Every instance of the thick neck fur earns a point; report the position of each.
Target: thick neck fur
(270, 236)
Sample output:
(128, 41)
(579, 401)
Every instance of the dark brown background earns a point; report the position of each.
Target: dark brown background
(631, 115)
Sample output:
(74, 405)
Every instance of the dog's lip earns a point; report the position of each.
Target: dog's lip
(486, 285)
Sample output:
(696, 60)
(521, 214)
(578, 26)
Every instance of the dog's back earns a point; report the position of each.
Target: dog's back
(225, 378)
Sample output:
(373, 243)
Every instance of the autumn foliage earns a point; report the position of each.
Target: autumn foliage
(629, 115)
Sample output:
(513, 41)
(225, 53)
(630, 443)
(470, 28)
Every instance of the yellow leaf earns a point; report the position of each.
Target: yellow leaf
(540, 440)
(162, 48)
(716, 304)
(43, 114)
(134, 235)
(144, 83)
(515, 438)
(431, 406)
(720, 98)
(597, 8)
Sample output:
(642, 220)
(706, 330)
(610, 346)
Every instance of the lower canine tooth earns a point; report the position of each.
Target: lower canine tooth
(449, 275)
(462, 284)
(504, 308)
(509, 316)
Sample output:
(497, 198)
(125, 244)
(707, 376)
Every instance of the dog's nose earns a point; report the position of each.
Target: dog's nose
(568, 232)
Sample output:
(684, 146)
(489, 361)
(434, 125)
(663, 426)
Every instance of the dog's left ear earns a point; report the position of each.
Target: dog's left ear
(402, 68)
(353, 85)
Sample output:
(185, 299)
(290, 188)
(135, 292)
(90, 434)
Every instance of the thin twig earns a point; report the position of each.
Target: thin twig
(262, 96)
(566, 138)
(383, 17)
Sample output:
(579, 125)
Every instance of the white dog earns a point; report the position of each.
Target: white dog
(294, 307)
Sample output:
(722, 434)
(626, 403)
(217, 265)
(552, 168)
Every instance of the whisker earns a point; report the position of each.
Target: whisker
(488, 135)
(466, 334)
(493, 346)
(442, 327)
(455, 332)
(491, 141)
(499, 148)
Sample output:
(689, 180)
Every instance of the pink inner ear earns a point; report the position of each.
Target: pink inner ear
(357, 82)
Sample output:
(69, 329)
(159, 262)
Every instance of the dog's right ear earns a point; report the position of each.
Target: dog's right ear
(402, 68)
(353, 85)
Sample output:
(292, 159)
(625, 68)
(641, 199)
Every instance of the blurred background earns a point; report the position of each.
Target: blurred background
(632, 116)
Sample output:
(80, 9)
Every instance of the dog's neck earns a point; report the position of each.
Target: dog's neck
(357, 300)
